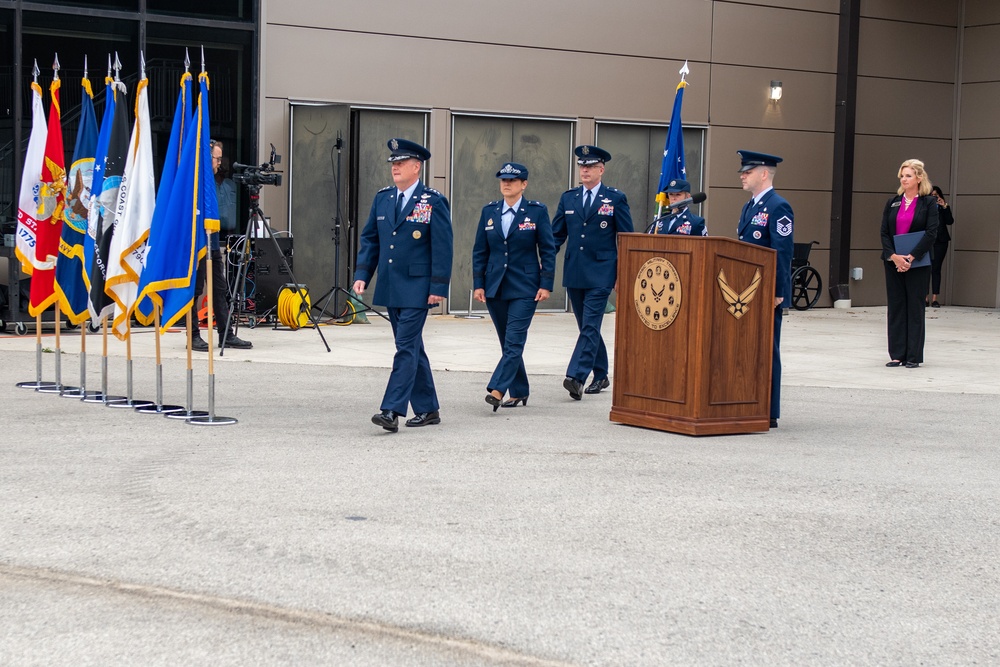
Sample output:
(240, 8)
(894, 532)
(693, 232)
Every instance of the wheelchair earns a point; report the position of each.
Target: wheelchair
(807, 284)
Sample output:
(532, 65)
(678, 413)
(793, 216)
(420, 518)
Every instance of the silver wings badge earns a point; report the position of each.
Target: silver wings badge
(738, 302)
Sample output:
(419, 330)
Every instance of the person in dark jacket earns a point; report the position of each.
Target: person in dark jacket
(913, 210)
(513, 268)
(940, 248)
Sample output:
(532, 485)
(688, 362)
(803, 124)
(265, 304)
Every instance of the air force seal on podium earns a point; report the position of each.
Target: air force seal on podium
(657, 293)
(739, 303)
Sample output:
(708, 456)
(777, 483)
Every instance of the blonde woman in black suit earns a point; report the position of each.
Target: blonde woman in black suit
(913, 209)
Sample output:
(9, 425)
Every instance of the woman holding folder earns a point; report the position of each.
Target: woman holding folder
(909, 225)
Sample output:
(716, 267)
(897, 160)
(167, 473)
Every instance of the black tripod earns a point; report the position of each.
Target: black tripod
(257, 222)
(336, 289)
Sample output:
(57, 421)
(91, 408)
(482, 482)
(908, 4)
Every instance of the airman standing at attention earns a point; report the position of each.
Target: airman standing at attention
(767, 220)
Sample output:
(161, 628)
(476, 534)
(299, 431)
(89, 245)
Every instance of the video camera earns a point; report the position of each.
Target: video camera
(253, 176)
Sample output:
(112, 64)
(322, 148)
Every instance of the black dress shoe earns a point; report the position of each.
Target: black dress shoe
(912, 364)
(894, 364)
(237, 343)
(597, 385)
(199, 344)
(387, 420)
(774, 423)
(574, 387)
(935, 304)
(512, 402)
(424, 419)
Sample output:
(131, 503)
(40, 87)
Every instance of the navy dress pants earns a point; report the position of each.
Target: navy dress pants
(511, 317)
(410, 382)
(590, 354)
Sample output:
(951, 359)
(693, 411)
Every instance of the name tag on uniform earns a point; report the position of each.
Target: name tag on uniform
(895, 204)
(380, 217)
(570, 212)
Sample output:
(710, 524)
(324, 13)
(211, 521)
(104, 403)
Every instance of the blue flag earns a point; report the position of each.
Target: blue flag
(100, 155)
(158, 228)
(71, 283)
(106, 204)
(673, 150)
(172, 260)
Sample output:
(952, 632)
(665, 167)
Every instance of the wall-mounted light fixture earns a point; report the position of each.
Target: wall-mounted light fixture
(775, 93)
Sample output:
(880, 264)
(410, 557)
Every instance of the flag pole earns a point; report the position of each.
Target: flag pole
(57, 387)
(189, 412)
(38, 383)
(212, 419)
(159, 408)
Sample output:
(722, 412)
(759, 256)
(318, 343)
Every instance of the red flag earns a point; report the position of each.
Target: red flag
(51, 211)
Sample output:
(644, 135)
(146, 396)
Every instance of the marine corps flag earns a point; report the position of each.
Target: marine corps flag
(27, 203)
(51, 205)
(71, 280)
(102, 221)
(159, 229)
(179, 243)
(133, 214)
(673, 150)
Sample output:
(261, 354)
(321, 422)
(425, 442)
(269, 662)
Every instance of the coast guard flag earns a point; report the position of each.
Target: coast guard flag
(51, 205)
(133, 214)
(159, 230)
(106, 202)
(169, 278)
(71, 281)
(27, 203)
(673, 150)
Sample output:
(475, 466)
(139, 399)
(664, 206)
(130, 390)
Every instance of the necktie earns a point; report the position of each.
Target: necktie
(402, 199)
(506, 220)
(586, 203)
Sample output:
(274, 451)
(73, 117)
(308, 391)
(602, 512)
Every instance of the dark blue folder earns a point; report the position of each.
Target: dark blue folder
(905, 243)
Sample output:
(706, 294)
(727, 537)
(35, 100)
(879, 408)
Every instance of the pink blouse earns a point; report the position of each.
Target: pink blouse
(904, 217)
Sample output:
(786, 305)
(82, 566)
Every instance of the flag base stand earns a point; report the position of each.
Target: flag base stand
(211, 419)
(129, 403)
(186, 414)
(160, 409)
(56, 388)
(100, 397)
(78, 392)
(37, 384)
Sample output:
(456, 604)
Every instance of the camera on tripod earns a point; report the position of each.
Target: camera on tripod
(253, 176)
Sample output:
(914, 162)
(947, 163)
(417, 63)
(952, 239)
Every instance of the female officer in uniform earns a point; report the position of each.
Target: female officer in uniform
(513, 268)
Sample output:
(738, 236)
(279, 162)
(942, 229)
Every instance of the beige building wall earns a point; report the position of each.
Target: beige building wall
(589, 62)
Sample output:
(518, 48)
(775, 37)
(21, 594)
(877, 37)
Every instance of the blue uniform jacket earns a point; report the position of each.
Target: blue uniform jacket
(770, 224)
(591, 244)
(684, 222)
(413, 254)
(524, 261)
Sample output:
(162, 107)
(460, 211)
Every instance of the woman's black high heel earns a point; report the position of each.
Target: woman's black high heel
(512, 402)
(493, 400)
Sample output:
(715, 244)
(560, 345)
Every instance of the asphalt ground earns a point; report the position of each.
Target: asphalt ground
(864, 530)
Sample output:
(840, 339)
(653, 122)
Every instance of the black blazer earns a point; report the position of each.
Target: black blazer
(925, 219)
(946, 218)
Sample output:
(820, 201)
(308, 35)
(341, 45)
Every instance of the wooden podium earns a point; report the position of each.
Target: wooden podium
(693, 334)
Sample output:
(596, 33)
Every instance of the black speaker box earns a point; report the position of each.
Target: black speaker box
(270, 274)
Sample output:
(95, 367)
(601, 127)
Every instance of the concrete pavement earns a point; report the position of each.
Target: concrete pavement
(862, 531)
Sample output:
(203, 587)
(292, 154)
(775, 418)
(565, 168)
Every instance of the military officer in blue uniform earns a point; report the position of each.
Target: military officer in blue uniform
(767, 220)
(513, 269)
(408, 242)
(588, 220)
(682, 220)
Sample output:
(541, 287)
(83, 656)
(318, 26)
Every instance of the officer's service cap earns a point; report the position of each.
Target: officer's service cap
(677, 185)
(513, 170)
(750, 159)
(403, 149)
(587, 155)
